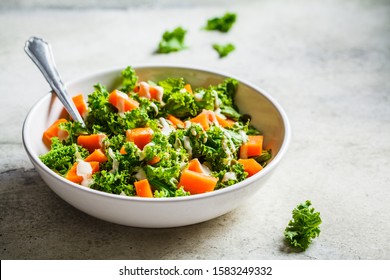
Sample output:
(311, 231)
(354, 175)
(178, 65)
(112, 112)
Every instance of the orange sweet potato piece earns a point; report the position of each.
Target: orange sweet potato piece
(175, 121)
(91, 142)
(72, 173)
(97, 155)
(150, 91)
(140, 136)
(195, 165)
(197, 183)
(80, 104)
(253, 147)
(123, 151)
(224, 122)
(54, 131)
(143, 188)
(202, 119)
(154, 160)
(188, 88)
(206, 117)
(251, 166)
(122, 101)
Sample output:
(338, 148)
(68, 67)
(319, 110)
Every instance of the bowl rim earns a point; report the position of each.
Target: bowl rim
(267, 169)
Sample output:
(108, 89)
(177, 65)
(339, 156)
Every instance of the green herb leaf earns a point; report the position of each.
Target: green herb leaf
(303, 227)
(222, 24)
(61, 157)
(172, 41)
(178, 101)
(129, 79)
(224, 50)
(116, 183)
(265, 156)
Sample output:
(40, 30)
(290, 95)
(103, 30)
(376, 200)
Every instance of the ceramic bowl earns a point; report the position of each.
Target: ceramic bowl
(266, 114)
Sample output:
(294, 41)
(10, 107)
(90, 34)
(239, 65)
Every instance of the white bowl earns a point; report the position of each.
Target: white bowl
(267, 115)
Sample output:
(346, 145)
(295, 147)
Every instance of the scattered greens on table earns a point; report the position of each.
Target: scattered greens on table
(222, 24)
(172, 41)
(216, 147)
(303, 227)
(223, 50)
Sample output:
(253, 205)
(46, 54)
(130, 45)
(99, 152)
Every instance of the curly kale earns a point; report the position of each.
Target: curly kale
(61, 157)
(130, 79)
(113, 182)
(170, 148)
(104, 118)
(303, 227)
(178, 101)
(223, 50)
(222, 24)
(172, 41)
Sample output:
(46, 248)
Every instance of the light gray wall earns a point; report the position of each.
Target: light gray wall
(109, 4)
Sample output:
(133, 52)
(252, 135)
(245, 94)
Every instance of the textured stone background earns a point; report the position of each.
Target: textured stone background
(326, 62)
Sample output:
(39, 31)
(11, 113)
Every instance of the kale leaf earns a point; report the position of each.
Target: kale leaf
(113, 182)
(222, 24)
(178, 101)
(130, 79)
(172, 41)
(61, 157)
(303, 227)
(226, 93)
(223, 50)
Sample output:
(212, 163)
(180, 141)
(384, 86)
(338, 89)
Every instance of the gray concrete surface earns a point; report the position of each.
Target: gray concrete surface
(326, 62)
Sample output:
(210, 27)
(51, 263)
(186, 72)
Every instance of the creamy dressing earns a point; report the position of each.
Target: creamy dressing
(160, 93)
(140, 175)
(193, 132)
(243, 136)
(62, 134)
(217, 101)
(154, 106)
(101, 138)
(199, 95)
(183, 165)
(212, 117)
(228, 152)
(121, 102)
(177, 144)
(187, 124)
(229, 139)
(145, 91)
(219, 114)
(229, 176)
(205, 169)
(166, 128)
(84, 170)
(228, 147)
(187, 145)
(115, 162)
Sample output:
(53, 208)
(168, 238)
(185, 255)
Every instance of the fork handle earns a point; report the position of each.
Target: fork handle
(41, 54)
